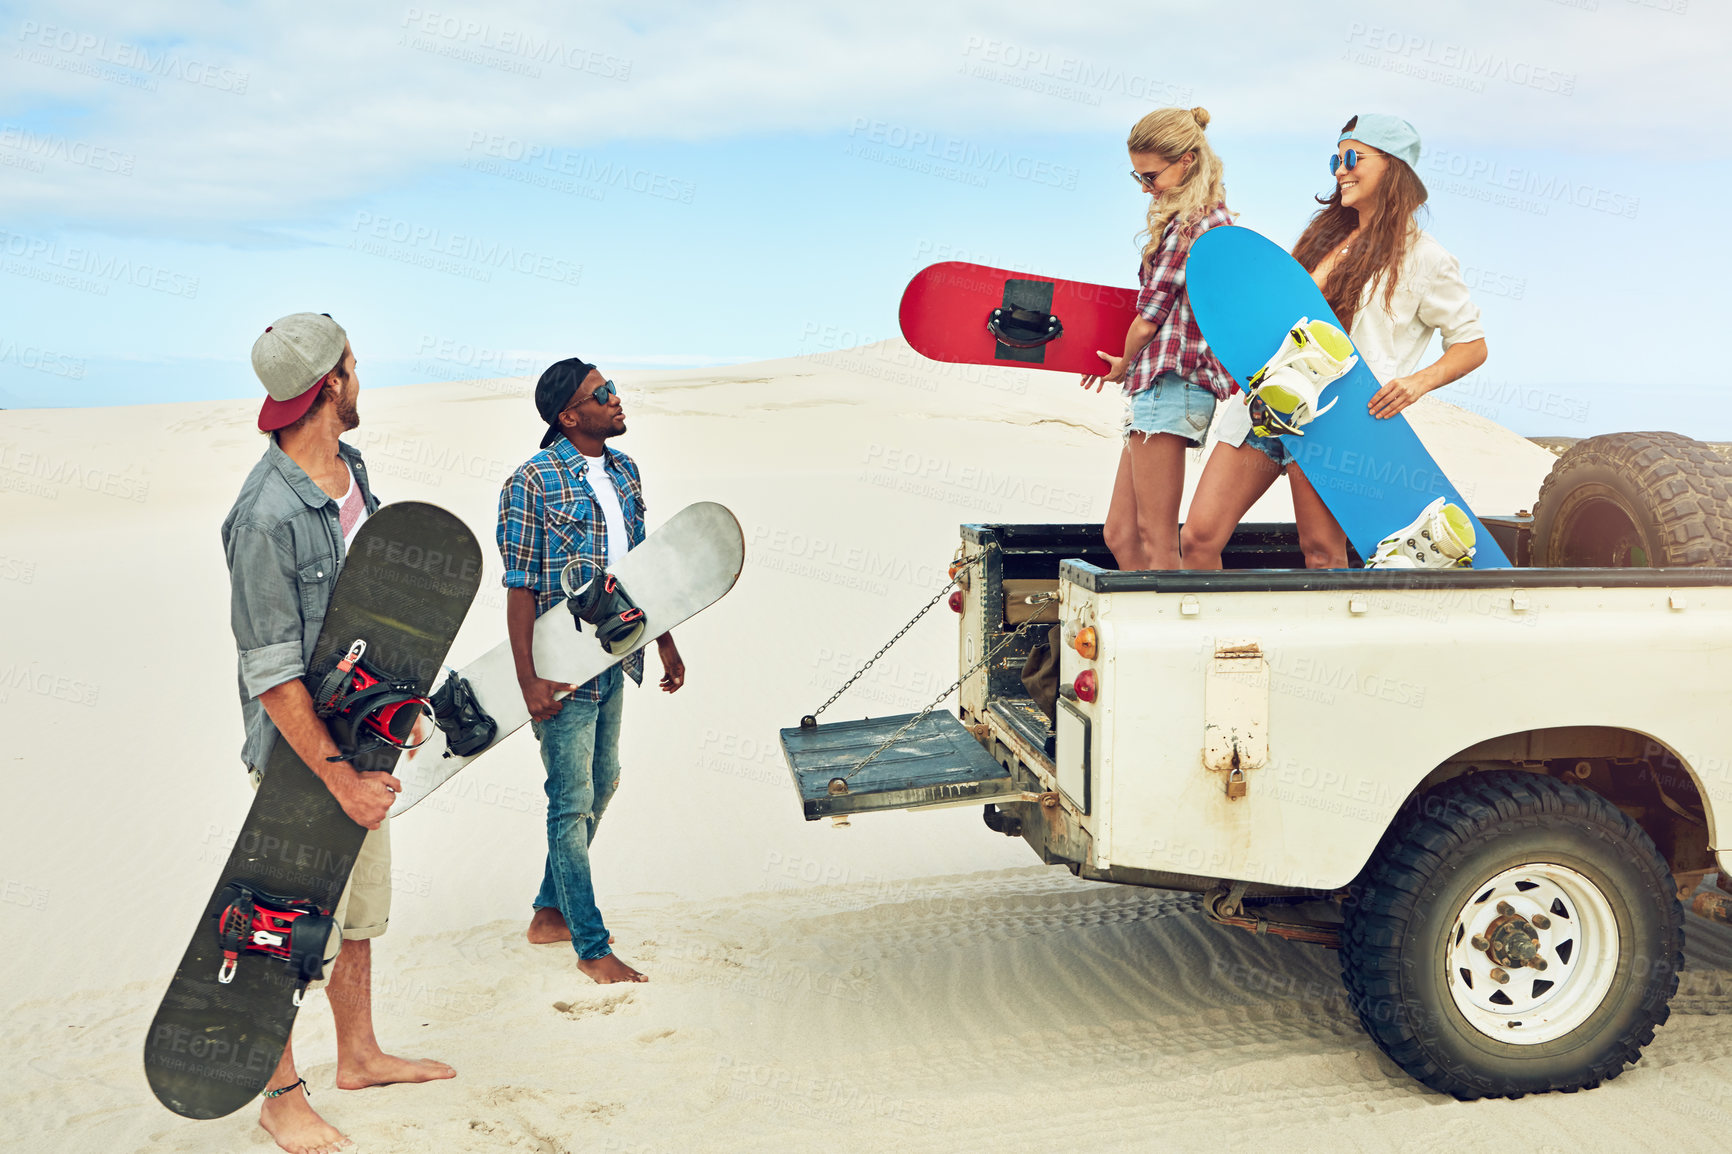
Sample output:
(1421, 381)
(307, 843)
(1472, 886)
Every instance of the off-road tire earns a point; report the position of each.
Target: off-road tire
(1434, 860)
(1635, 500)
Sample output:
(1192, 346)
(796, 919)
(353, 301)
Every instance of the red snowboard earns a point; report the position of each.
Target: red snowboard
(974, 315)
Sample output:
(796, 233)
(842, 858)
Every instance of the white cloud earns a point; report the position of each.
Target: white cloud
(205, 119)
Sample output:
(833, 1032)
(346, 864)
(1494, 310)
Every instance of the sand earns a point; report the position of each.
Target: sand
(914, 982)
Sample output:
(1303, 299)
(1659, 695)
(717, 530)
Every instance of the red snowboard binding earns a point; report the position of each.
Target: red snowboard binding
(256, 922)
(366, 709)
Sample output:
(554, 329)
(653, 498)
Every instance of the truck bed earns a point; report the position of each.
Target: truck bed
(943, 761)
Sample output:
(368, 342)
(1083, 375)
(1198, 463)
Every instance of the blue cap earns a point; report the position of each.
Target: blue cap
(1385, 133)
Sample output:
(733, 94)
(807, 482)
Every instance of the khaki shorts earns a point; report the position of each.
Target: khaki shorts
(364, 910)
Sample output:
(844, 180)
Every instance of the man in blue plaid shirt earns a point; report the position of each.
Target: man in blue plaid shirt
(575, 500)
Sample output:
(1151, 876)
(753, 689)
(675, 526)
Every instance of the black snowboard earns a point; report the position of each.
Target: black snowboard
(404, 588)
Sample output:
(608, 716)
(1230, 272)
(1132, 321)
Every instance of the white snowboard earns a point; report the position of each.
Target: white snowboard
(680, 569)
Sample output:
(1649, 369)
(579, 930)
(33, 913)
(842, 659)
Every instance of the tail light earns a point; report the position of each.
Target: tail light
(956, 601)
(1085, 686)
(1085, 643)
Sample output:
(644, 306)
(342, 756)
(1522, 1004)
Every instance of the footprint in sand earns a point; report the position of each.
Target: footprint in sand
(585, 1009)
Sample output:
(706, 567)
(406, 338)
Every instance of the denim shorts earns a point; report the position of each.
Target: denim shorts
(1272, 447)
(1172, 404)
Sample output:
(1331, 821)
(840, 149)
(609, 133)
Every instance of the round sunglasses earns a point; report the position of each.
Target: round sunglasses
(1348, 160)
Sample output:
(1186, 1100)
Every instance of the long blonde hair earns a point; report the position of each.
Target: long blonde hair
(1170, 133)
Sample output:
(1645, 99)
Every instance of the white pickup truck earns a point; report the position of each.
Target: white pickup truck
(1487, 789)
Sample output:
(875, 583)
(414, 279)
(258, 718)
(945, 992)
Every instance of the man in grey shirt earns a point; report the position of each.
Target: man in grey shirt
(285, 540)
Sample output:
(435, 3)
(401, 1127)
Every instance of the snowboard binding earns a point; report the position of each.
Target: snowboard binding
(604, 603)
(1442, 537)
(1283, 394)
(1020, 328)
(255, 922)
(366, 709)
(468, 730)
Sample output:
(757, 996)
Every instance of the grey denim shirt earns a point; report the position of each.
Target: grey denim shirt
(284, 543)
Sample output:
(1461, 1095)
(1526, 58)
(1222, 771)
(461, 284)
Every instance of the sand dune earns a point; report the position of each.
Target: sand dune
(911, 983)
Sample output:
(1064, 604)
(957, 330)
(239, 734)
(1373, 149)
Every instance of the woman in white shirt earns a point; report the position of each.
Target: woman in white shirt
(1392, 285)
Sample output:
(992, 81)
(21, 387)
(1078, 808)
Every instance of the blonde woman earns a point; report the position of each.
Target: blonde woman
(1392, 286)
(1171, 381)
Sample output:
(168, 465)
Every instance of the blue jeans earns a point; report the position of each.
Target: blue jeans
(580, 752)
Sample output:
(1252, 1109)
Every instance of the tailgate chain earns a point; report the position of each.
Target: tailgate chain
(1039, 603)
(811, 719)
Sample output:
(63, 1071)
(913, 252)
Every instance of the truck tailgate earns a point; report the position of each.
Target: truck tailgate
(936, 763)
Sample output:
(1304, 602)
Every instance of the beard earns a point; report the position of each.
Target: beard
(347, 410)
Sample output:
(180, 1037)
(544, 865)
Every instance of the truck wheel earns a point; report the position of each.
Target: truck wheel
(1512, 935)
(1635, 500)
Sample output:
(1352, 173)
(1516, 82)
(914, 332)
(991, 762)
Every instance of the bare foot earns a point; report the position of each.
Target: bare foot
(385, 1070)
(608, 969)
(291, 1121)
(548, 926)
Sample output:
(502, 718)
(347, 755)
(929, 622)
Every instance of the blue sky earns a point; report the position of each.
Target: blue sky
(478, 191)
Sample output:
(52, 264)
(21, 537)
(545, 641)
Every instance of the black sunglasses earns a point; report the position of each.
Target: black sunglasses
(601, 396)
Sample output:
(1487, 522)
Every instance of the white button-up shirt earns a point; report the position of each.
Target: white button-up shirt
(1430, 297)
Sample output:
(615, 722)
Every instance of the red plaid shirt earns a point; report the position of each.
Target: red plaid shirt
(1178, 345)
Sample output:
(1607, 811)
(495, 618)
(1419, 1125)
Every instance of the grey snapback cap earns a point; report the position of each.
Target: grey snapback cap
(294, 354)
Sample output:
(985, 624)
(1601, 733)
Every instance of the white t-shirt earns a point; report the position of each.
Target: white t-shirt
(611, 514)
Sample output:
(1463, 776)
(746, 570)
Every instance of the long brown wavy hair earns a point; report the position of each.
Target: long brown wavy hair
(1375, 258)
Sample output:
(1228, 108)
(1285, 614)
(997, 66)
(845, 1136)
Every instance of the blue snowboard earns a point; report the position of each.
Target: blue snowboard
(1375, 475)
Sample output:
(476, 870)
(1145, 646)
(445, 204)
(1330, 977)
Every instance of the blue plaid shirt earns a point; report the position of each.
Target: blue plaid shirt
(549, 516)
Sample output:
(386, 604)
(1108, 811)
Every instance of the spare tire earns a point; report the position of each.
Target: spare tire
(1635, 500)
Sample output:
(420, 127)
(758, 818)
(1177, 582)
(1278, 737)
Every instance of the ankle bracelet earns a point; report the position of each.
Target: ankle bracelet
(279, 1093)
